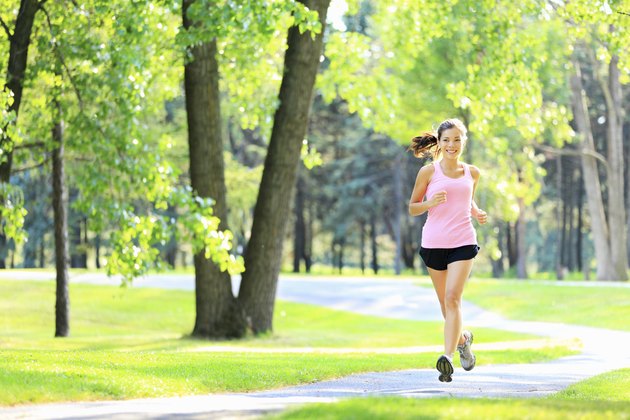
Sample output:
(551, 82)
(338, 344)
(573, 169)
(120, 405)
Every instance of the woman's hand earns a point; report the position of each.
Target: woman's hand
(482, 216)
(438, 198)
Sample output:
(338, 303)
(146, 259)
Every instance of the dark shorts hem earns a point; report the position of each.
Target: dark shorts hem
(440, 258)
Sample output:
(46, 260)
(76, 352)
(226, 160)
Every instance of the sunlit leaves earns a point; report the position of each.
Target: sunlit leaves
(12, 212)
(112, 65)
(310, 156)
(251, 38)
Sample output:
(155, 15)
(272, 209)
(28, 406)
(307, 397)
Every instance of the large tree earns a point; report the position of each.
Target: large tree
(217, 313)
(264, 250)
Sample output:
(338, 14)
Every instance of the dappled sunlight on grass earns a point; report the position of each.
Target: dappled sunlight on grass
(132, 343)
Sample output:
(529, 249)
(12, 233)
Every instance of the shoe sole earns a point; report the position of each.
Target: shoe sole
(445, 368)
(474, 357)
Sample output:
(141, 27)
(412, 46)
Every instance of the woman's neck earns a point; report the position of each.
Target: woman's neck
(450, 163)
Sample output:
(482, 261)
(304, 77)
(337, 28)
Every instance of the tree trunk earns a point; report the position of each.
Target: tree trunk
(308, 241)
(626, 129)
(217, 313)
(78, 247)
(299, 231)
(60, 210)
(627, 180)
(42, 253)
(97, 251)
(580, 222)
(340, 244)
(521, 244)
(264, 251)
(16, 69)
(560, 242)
(398, 200)
(510, 243)
(590, 176)
(374, 244)
(616, 191)
(362, 245)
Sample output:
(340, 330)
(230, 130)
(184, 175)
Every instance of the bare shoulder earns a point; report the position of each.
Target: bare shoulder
(474, 171)
(426, 172)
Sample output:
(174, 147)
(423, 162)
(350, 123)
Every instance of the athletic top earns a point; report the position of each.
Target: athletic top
(449, 224)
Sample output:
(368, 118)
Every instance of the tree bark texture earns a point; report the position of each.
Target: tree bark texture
(616, 191)
(264, 251)
(217, 313)
(60, 210)
(592, 184)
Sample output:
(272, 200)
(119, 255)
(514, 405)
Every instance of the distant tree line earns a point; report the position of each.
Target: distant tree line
(136, 134)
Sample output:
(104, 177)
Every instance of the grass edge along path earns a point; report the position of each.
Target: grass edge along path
(605, 396)
(125, 346)
(38, 376)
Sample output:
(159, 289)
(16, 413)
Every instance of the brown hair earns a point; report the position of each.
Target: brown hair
(421, 145)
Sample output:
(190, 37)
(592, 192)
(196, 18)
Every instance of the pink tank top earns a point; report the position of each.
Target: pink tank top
(449, 224)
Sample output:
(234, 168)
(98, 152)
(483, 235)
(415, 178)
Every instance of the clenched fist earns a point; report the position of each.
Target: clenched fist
(482, 217)
(438, 198)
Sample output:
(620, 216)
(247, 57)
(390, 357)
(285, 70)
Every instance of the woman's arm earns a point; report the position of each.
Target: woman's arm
(475, 211)
(416, 204)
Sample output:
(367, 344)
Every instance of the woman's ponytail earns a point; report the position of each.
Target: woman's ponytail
(421, 145)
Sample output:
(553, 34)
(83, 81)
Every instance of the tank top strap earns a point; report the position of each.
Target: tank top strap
(467, 170)
(438, 169)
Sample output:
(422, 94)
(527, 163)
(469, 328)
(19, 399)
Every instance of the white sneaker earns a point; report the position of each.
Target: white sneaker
(466, 356)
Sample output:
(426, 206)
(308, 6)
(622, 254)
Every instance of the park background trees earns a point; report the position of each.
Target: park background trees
(164, 109)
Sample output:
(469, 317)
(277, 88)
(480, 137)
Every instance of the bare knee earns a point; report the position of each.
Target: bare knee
(452, 301)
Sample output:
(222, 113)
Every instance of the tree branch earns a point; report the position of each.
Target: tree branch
(571, 152)
(30, 145)
(6, 29)
(28, 168)
(623, 13)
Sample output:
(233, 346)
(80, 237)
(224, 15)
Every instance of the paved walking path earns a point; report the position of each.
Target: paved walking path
(602, 351)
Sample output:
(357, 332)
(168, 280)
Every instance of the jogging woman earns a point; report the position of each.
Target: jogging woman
(445, 188)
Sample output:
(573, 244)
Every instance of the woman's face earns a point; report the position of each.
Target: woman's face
(451, 143)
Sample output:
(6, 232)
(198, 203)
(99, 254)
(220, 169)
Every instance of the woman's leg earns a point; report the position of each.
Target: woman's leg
(439, 284)
(456, 276)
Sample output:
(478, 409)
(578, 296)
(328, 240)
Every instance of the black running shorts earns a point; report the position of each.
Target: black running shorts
(440, 258)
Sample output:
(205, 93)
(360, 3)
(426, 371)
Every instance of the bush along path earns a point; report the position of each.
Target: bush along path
(602, 351)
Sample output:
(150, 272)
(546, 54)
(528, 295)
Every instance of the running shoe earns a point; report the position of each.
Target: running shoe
(466, 356)
(445, 366)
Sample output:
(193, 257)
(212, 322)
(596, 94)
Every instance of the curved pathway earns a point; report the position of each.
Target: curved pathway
(402, 299)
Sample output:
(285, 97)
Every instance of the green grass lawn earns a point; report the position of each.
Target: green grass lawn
(606, 396)
(130, 343)
(595, 306)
